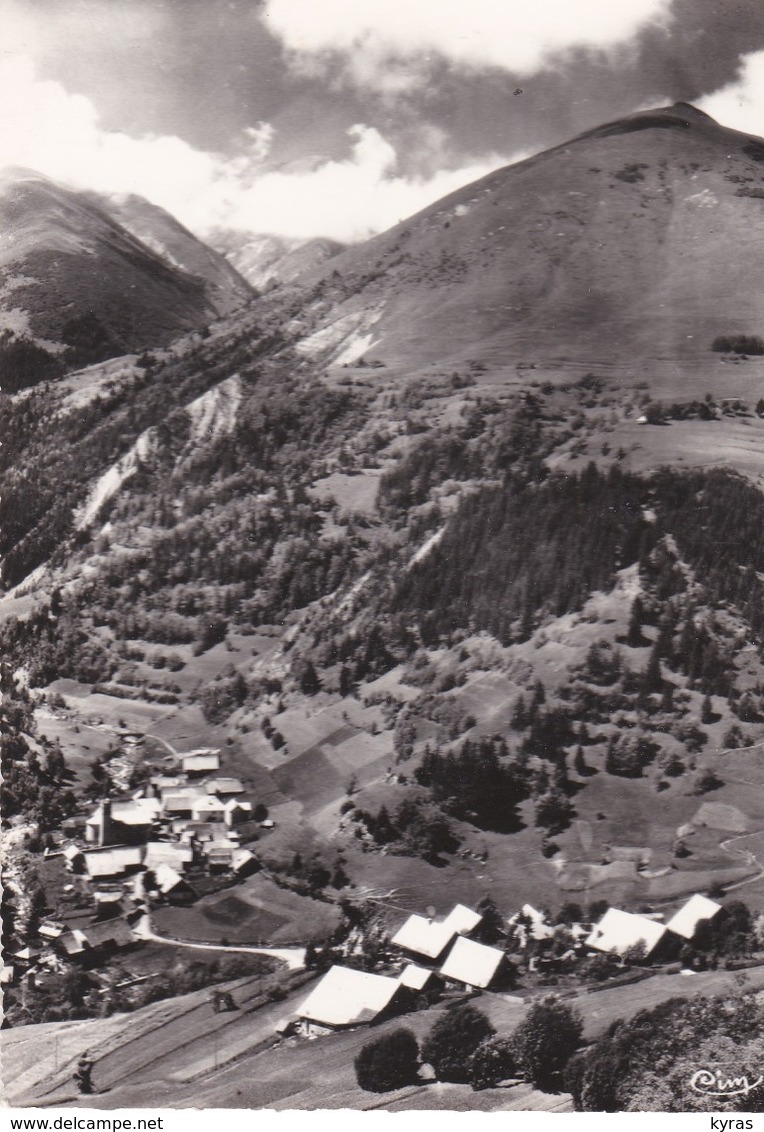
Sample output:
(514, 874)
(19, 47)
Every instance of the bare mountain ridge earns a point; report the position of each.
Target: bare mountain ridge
(267, 259)
(638, 239)
(66, 255)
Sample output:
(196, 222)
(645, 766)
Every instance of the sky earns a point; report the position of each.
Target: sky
(338, 118)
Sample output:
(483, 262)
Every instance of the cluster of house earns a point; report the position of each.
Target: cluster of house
(431, 955)
(138, 850)
(619, 932)
(438, 954)
(172, 823)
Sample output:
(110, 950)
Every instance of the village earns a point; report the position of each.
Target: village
(135, 851)
(187, 827)
(428, 959)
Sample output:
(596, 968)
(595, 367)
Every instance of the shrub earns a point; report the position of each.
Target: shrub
(493, 1061)
(546, 1040)
(453, 1040)
(389, 1062)
(738, 344)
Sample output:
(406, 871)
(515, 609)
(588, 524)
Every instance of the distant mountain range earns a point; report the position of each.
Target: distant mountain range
(637, 239)
(264, 260)
(127, 268)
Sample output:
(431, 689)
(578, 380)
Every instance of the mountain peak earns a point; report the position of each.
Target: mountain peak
(687, 110)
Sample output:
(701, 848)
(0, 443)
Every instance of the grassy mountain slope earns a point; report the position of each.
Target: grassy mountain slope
(631, 242)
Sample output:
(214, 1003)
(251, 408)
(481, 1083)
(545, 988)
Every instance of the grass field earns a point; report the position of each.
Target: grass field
(255, 911)
(189, 1057)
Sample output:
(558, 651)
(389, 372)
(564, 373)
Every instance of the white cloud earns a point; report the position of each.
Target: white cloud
(387, 43)
(741, 103)
(349, 199)
(44, 127)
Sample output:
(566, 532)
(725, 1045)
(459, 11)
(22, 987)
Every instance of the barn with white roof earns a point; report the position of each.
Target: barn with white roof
(685, 922)
(346, 997)
(619, 931)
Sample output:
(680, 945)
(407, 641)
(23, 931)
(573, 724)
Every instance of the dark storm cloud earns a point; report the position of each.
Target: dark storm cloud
(195, 103)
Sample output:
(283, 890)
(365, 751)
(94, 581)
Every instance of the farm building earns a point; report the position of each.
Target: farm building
(471, 963)
(75, 858)
(95, 942)
(244, 863)
(685, 922)
(180, 802)
(346, 997)
(71, 944)
(462, 919)
(429, 938)
(198, 763)
(50, 931)
(114, 862)
(619, 931)
(224, 787)
(422, 937)
(165, 783)
(208, 808)
(168, 853)
(172, 885)
(108, 902)
(530, 924)
(122, 823)
(417, 978)
(236, 811)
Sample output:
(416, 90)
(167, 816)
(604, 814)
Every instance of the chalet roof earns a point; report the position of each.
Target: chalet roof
(415, 977)
(50, 931)
(167, 878)
(685, 921)
(133, 811)
(345, 997)
(112, 862)
(240, 858)
(180, 801)
(138, 811)
(72, 851)
(115, 932)
(237, 804)
(224, 786)
(167, 853)
(217, 850)
(108, 897)
(424, 937)
(73, 942)
(26, 954)
(462, 919)
(208, 805)
(166, 781)
(472, 963)
(201, 761)
(618, 931)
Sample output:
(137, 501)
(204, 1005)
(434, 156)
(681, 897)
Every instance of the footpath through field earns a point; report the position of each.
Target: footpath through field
(294, 957)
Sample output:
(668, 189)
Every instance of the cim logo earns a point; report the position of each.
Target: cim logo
(714, 1083)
